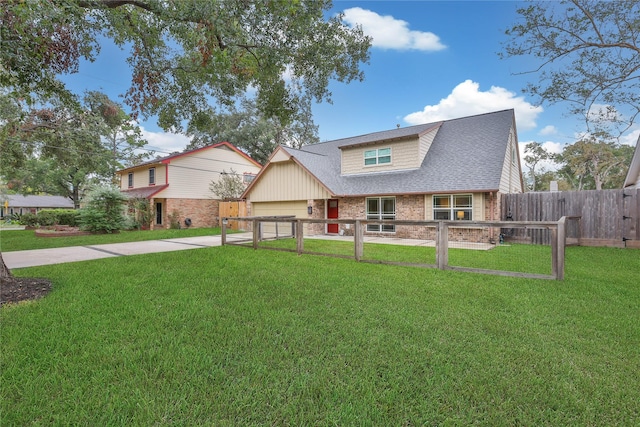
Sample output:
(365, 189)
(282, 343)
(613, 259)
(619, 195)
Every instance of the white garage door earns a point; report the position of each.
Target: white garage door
(296, 208)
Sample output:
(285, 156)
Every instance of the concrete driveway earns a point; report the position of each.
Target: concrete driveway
(36, 257)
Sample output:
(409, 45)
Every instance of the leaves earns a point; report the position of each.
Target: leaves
(186, 55)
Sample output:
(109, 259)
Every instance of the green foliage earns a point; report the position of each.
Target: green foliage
(249, 129)
(29, 219)
(183, 54)
(47, 217)
(174, 220)
(55, 149)
(140, 212)
(232, 336)
(104, 212)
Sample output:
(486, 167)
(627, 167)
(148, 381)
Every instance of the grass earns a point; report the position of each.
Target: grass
(231, 336)
(519, 258)
(19, 240)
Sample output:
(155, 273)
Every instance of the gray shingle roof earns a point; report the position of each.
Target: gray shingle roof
(48, 202)
(467, 154)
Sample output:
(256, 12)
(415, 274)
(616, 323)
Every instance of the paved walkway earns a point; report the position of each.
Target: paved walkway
(37, 257)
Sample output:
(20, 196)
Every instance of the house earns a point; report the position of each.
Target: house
(633, 175)
(19, 204)
(445, 170)
(177, 186)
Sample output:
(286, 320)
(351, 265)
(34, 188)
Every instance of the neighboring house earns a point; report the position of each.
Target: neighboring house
(18, 204)
(446, 170)
(633, 175)
(177, 186)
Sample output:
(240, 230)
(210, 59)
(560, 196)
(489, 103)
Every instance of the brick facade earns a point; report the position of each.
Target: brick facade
(201, 212)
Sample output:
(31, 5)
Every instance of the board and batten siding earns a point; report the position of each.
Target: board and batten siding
(425, 143)
(510, 179)
(404, 155)
(141, 177)
(286, 181)
(190, 175)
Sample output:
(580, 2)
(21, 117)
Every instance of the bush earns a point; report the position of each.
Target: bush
(29, 219)
(58, 217)
(104, 212)
(47, 217)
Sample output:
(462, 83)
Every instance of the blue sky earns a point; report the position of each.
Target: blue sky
(430, 60)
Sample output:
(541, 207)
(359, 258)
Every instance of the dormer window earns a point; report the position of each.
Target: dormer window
(377, 157)
(152, 176)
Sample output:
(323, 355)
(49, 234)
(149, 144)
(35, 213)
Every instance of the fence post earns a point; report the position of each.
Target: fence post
(358, 239)
(256, 232)
(223, 233)
(442, 245)
(299, 236)
(560, 251)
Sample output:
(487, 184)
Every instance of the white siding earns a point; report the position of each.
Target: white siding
(191, 174)
(425, 143)
(286, 181)
(510, 180)
(404, 155)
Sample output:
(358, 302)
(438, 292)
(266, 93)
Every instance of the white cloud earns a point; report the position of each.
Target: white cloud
(467, 100)
(548, 165)
(390, 33)
(165, 142)
(548, 130)
(631, 138)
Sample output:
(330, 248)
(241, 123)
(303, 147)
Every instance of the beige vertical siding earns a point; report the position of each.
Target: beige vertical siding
(404, 155)
(286, 181)
(191, 174)
(510, 181)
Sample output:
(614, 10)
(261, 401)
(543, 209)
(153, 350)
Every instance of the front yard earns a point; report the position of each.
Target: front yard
(232, 336)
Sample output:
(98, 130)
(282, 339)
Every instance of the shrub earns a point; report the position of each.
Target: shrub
(47, 217)
(29, 219)
(104, 212)
(140, 213)
(58, 217)
(174, 220)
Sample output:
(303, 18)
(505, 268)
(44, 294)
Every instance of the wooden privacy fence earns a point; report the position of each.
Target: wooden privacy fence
(600, 217)
(275, 228)
(233, 209)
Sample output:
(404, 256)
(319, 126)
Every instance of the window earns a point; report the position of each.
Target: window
(247, 178)
(152, 176)
(381, 208)
(377, 157)
(453, 207)
(130, 179)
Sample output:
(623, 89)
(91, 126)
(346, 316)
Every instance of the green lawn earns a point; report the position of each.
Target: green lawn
(233, 336)
(20, 240)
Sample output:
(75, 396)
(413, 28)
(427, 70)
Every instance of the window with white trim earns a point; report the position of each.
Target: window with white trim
(453, 207)
(130, 180)
(152, 176)
(378, 156)
(381, 208)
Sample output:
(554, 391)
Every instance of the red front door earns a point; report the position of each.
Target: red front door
(332, 213)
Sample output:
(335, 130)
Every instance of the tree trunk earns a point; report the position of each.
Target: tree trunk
(4, 271)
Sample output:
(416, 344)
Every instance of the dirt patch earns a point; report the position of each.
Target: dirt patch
(16, 289)
(60, 231)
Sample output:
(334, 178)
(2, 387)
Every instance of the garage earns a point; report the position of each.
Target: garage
(297, 208)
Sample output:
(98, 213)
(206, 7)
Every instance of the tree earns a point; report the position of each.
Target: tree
(229, 187)
(250, 130)
(593, 163)
(589, 58)
(183, 54)
(122, 136)
(534, 155)
(104, 212)
(59, 150)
